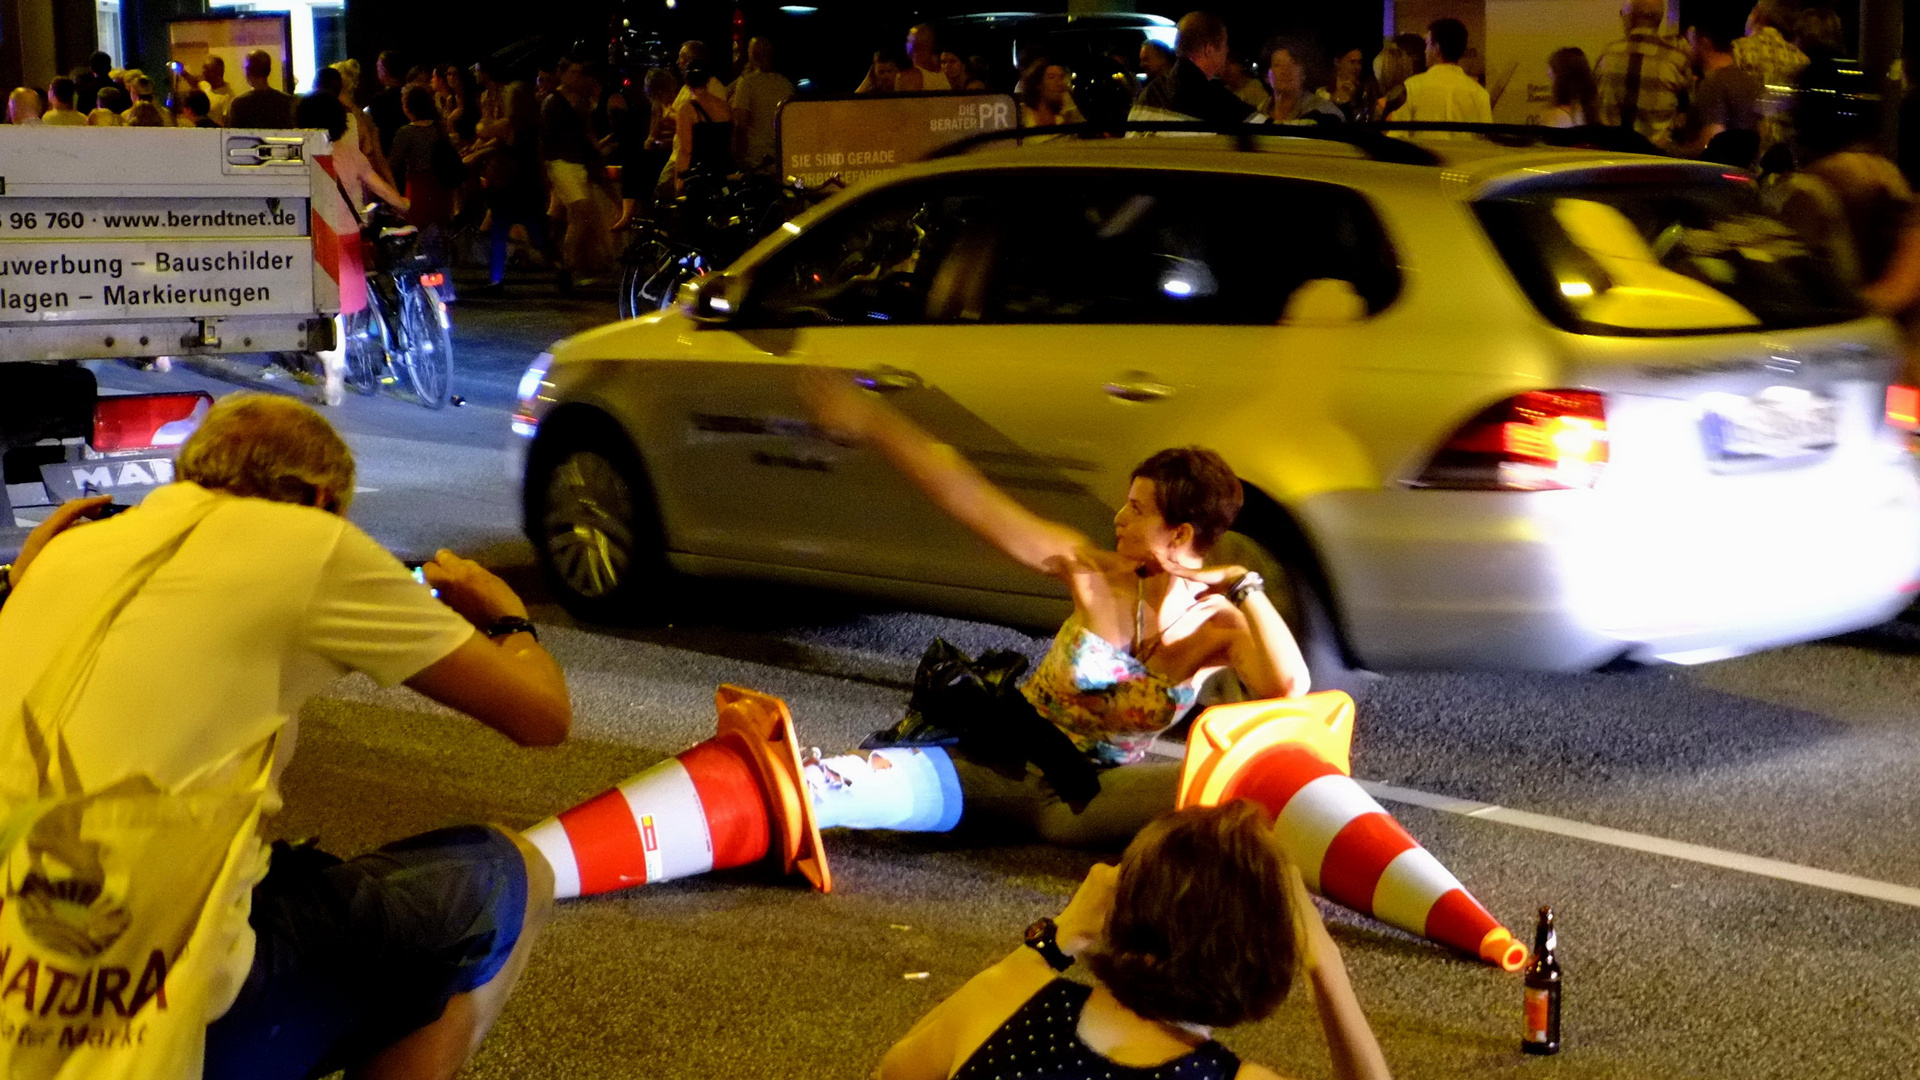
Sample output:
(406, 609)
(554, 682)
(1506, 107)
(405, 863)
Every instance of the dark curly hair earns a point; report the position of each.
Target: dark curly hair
(1194, 487)
(1201, 931)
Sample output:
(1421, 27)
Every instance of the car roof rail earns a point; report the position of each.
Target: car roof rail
(1618, 140)
(1375, 144)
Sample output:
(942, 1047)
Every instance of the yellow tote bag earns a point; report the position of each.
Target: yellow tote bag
(114, 899)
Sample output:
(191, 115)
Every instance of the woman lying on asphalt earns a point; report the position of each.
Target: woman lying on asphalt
(1191, 932)
(1150, 618)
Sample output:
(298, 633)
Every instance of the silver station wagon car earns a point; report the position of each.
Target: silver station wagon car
(1494, 407)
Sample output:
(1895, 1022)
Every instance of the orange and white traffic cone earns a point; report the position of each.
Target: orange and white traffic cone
(729, 801)
(1292, 757)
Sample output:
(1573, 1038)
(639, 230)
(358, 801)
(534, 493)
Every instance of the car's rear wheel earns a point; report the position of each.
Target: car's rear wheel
(1297, 595)
(590, 515)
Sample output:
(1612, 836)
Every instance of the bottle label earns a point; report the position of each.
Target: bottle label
(1537, 1014)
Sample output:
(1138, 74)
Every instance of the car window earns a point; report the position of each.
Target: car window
(1662, 254)
(1181, 247)
(1077, 246)
(876, 262)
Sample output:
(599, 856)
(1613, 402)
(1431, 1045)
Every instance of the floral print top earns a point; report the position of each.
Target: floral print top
(1107, 701)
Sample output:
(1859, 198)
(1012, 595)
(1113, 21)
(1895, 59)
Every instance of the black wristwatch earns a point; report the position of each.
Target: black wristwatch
(1043, 938)
(1246, 585)
(510, 624)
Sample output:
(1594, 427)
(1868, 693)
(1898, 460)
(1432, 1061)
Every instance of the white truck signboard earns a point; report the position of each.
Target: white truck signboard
(122, 243)
(184, 278)
(134, 242)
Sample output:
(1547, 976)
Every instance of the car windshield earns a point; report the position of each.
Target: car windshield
(1662, 254)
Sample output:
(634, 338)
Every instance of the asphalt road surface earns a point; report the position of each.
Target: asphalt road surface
(1675, 967)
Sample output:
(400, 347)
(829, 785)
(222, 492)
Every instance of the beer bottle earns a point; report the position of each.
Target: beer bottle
(1543, 991)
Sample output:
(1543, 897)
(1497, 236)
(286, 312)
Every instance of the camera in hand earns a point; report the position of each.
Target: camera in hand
(419, 570)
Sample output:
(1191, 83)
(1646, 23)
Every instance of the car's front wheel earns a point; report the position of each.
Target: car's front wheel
(590, 515)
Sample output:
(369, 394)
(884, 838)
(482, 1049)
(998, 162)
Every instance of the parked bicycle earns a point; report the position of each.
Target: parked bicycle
(402, 339)
(711, 225)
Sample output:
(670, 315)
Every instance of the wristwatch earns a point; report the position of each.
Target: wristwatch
(510, 624)
(1248, 584)
(1043, 938)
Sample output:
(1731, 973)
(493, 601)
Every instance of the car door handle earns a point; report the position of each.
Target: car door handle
(887, 380)
(1139, 386)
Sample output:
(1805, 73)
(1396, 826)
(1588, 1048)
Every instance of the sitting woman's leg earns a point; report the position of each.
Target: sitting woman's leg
(1028, 808)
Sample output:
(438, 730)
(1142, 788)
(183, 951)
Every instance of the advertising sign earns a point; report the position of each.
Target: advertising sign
(856, 136)
(231, 38)
(94, 280)
(101, 219)
(1521, 34)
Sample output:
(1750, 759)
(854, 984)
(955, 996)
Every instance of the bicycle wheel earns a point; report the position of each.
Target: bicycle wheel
(366, 349)
(640, 264)
(428, 355)
(658, 292)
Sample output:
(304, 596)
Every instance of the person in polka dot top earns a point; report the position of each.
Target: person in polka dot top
(1200, 926)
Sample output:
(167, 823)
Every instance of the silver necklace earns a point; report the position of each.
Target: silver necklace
(1144, 647)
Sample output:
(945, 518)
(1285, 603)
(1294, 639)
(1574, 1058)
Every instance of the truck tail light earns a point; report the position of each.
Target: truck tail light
(144, 421)
(1542, 440)
(1903, 407)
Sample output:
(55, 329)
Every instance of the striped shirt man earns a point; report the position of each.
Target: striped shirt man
(1776, 62)
(1642, 79)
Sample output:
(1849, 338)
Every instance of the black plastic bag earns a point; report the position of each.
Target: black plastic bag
(975, 706)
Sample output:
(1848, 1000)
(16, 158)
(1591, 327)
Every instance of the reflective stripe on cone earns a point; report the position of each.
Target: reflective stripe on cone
(690, 814)
(726, 802)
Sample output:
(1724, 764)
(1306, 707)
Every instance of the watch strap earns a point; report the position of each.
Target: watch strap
(510, 624)
(1246, 585)
(1043, 937)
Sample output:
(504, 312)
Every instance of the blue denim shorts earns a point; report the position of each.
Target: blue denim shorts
(351, 956)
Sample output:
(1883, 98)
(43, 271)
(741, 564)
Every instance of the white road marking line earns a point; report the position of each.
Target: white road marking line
(1654, 845)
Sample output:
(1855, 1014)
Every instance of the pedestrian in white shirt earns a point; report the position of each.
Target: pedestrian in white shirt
(1445, 92)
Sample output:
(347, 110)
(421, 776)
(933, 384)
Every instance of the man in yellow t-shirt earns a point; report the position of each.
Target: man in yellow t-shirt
(271, 596)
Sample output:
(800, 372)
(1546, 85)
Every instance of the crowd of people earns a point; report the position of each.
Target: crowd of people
(550, 166)
(548, 162)
(1716, 90)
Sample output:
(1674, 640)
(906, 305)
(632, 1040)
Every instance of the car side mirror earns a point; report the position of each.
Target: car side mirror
(714, 299)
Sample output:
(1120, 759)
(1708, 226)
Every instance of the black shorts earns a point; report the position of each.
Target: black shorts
(350, 957)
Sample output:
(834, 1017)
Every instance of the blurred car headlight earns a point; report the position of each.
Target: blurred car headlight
(524, 420)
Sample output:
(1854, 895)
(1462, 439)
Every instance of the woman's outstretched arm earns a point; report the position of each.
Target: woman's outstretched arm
(948, 479)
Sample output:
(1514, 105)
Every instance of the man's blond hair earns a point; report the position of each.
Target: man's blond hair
(269, 447)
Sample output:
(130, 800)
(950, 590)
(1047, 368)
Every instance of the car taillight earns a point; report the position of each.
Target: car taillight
(141, 421)
(1542, 440)
(1903, 407)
